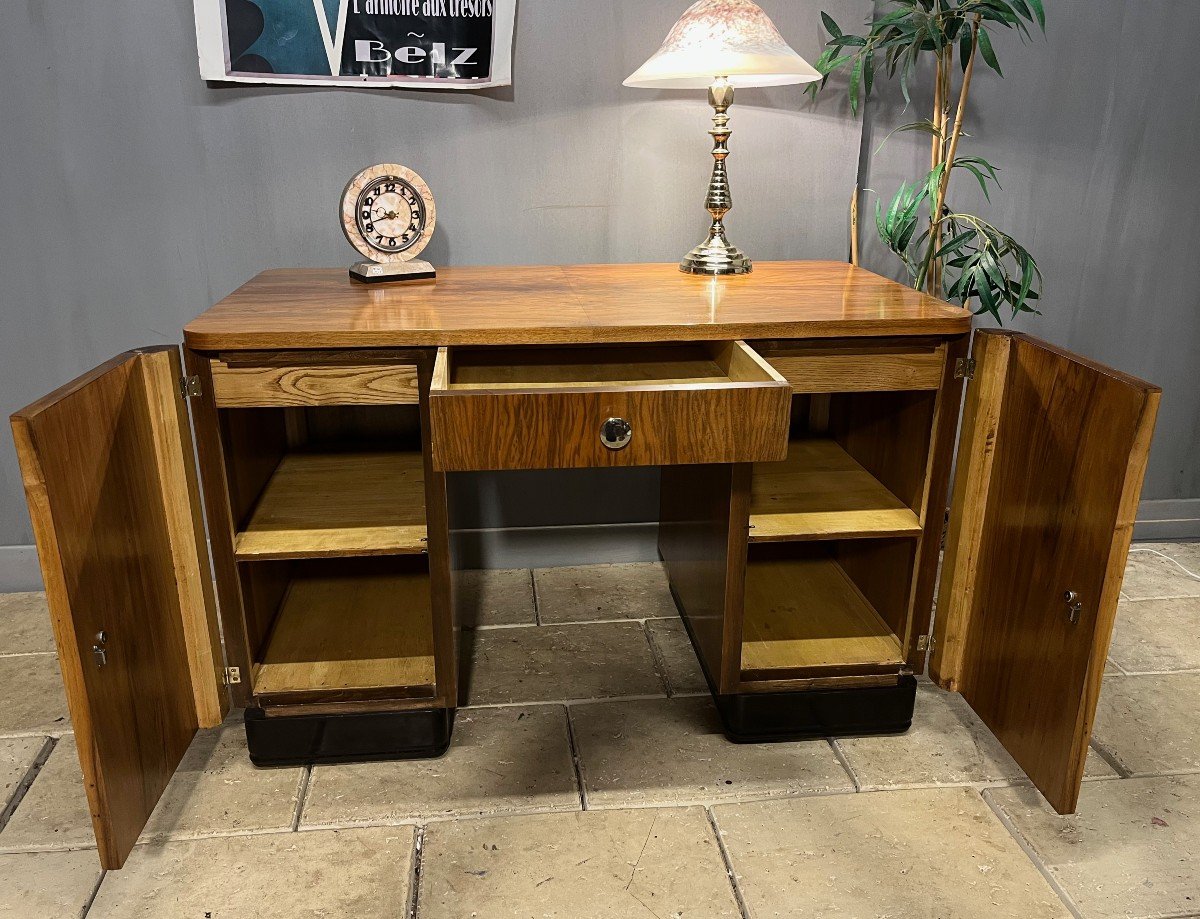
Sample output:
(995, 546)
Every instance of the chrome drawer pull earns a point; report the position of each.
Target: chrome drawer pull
(616, 433)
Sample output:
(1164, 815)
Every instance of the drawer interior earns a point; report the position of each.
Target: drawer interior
(712, 363)
(825, 608)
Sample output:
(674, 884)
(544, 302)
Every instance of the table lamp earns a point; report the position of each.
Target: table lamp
(722, 44)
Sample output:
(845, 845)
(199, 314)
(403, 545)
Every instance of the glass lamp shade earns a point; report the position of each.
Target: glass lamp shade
(723, 38)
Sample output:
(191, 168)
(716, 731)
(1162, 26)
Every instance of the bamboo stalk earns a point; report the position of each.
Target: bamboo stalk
(952, 149)
(854, 229)
(937, 150)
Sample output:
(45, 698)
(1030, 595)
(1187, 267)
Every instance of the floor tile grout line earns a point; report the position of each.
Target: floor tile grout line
(727, 860)
(11, 654)
(845, 763)
(414, 874)
(1111, 758)
(302, 796)
(1165, 597)
(576, 760)
(537, 605)
(1032, 855)
(647, 697)
(27, 780)
(91, 901)
(660, 664)
(517, 626)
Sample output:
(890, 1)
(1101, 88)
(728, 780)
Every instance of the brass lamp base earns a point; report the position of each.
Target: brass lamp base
(717, 255)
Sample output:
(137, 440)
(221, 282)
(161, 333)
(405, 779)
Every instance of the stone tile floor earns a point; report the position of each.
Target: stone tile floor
(588, 778)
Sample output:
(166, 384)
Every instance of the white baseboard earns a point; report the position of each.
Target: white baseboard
(552, 547)
(1167, 520)
(19, 569)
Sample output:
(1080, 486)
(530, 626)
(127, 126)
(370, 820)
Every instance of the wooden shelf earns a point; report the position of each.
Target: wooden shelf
(350, 631)
(325, 505)
(820, 492)
(806, 613)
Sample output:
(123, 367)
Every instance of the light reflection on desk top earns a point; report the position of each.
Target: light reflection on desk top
(323, 308)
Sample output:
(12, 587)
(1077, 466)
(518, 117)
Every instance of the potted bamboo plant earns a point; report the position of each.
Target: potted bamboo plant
(949, 253)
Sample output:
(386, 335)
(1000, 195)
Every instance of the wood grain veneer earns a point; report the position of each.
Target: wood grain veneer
(1054, 451)
(543, 408)
(107, 469)
(322, 505)
(825, 370)
(702, 541)
(323, 308)
(247, 386)
(820, 492)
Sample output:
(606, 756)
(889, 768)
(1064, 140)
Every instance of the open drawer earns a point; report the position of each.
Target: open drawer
(620, 405)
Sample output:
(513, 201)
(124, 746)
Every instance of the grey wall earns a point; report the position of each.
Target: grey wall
(134, 196)
(1095, 128)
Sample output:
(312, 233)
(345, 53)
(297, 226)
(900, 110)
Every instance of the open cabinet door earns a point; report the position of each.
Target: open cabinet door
(110, 478)
(1050, 467)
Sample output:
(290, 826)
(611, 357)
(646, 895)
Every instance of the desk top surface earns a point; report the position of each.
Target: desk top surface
(323, 308)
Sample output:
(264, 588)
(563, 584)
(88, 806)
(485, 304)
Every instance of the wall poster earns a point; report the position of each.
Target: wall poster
(459, 44)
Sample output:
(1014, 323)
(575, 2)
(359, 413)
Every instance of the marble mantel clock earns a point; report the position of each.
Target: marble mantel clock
(389, 215)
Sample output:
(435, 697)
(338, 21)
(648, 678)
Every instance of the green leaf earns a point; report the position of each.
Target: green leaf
(840, 41)
(891, 18)
(989, 55)
(924, 125)
(966, 47)
(830, 26)
(933, 182)
(995, 274)
(855, 79)
(986, 297)
(956, 243)
(1026, 282)
(978, 175)
(1040, 12)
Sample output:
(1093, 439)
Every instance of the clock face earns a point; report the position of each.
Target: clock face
(388, 213)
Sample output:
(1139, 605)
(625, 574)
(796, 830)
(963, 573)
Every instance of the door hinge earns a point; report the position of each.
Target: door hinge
(190, 388)
(926, 643)
(233, 676)
(964, 368)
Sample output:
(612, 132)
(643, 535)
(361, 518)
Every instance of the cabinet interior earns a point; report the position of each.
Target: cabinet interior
(329, 511)
(834, 537)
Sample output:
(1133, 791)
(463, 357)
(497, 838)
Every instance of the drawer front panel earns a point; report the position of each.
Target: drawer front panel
(550, 410)
(825, 370)
(560, 430)
(249, 386)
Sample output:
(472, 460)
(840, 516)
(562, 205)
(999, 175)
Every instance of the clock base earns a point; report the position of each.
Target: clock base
(381, 273)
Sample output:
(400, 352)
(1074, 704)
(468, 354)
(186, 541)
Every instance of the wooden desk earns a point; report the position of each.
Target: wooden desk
(804, 418)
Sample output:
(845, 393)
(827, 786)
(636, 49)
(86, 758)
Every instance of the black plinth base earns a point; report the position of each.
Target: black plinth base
(299, 740)
(765, 717)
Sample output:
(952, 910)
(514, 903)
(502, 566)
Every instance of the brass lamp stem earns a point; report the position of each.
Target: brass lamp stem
(716, 255)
